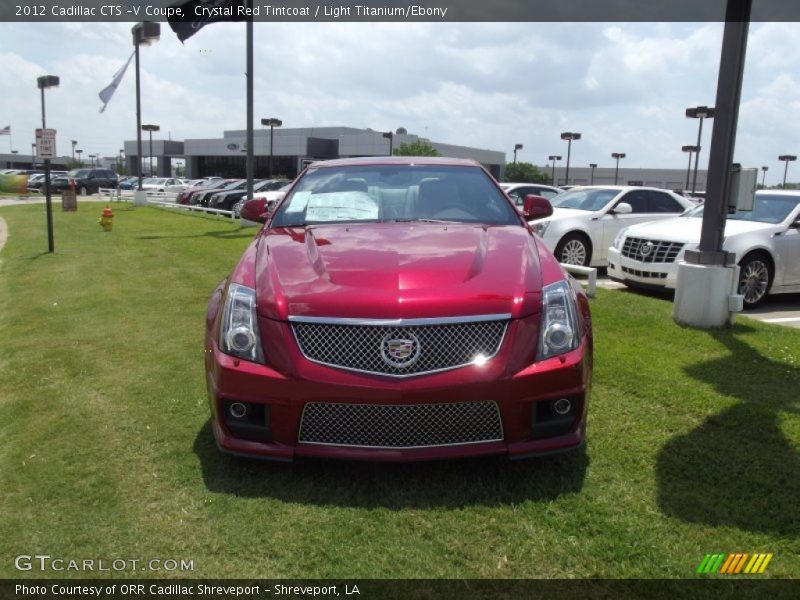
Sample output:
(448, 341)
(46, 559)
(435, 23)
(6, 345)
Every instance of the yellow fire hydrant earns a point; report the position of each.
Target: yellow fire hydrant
(107, 219)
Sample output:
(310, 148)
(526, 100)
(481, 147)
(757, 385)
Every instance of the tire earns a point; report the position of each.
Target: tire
(82, 191)
(755, 278)
(574, 249)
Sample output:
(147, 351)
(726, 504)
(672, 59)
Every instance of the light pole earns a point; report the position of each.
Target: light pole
(74, 143)
(592, 166)
(272, 123)
(33, 155)
(390, 136)
(786, 158)
(44, 82)
(121, 160)
(516, 147)
(554, 158)
(617, 155)
(14, 152)
(80, 160)
(143, 33)
(764, 170)
(698, 112)
(93, 156)
(689, 149)
(569, 136)
(150, 129)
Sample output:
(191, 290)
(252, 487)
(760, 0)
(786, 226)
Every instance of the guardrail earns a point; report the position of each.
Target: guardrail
(162, 200)
(591, 272)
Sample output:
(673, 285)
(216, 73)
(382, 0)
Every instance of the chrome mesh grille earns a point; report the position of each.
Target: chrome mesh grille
(655, 251)
(380, 349)
(400, 426)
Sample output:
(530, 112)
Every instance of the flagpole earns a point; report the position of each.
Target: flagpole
(249, 165)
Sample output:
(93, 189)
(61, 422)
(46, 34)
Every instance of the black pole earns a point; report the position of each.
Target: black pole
(763, 177)
(697, 156)
(51, 245)
(391, 143)
(138, 115)
(591, 181)
(723, 137)
(688, 170)
(553, 176)
(249, 166)
(785, 171)
(150, 131)
(569, 149)
(616, 172)
(271, 129)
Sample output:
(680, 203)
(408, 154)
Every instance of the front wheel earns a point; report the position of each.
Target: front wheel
(574, 249)
(755, 277)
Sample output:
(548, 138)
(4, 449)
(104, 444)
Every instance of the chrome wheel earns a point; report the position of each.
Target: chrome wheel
(754, 278)
(573, 251)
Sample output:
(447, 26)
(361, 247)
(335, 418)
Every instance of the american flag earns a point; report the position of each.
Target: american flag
(6, 130)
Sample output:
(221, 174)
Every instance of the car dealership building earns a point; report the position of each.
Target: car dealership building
(291, 150)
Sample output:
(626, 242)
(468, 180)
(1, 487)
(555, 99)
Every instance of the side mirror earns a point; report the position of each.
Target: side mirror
(623, 208)
(255, 210)
(536, 207)
(796, 224)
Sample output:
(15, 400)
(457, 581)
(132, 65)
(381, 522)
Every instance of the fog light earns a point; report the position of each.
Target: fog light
(562, 406)
(238, 410)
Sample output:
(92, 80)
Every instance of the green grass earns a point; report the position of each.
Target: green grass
(105, 449)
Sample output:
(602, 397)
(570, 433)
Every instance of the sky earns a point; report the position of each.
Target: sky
(623, 86)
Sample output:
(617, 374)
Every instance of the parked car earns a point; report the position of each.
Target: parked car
(271, 199)
(586, 219)
(226, 200)
(518, 191)
(765, 241)
(188, 194)
(397, 309)
(159, 184)
(203, 196)
(86, 181)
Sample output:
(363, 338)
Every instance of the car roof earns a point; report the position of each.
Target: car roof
(395, 160)
(543, 185)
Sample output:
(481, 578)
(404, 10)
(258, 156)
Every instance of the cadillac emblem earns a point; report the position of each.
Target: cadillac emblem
(646, 248)
(400, 351)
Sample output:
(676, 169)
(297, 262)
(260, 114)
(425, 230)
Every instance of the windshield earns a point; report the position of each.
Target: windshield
(395, 193)
(78, 172)
(584, 199)
(767, 208)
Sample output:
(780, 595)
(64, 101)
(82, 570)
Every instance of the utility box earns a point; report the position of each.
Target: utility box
(69, 201)
(743, 189)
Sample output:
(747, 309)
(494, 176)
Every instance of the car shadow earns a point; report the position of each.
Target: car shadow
(737, 468)
(451, 484)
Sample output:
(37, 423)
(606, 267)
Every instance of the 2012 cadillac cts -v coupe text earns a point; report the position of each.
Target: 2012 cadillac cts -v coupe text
(397, 309)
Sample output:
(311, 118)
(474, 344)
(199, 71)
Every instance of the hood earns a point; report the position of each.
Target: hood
(687, 229)
(397, 270)
(565, 213)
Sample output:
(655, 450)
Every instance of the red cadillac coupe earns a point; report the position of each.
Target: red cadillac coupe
(397, 309)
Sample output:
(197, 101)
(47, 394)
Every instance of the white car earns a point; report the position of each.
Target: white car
(272, 197)
(765, 241)
(518, 191)
(160, 184)
(586, 219)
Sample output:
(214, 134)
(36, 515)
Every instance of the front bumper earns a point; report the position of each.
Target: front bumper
(634, 272)
(522, 398)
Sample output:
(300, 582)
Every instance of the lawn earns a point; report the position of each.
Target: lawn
(106, 452)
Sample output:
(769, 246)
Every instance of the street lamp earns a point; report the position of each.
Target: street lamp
(143, 33)
(764, 175)
(569, 136)
(272, 123)
(74, 143)
(79, 152)
(516, 147)
(93, 156)
(689, 149)
(617, 155)
(150, 129)
(698, 112)
(44, 82)
(121, 160)
(33, 155)
(592, 166)
(554, 158)
(786, 158)
(390, 136)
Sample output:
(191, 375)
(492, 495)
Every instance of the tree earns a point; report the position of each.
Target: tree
(523, 172)
(418, 148)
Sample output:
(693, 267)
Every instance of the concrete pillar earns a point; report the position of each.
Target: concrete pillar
(706, 295)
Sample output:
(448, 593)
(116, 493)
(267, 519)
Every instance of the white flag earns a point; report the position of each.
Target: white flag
(107, 92)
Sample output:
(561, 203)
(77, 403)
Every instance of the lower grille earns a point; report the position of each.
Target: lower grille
(651, 251)
(650, 274)
(400, 426)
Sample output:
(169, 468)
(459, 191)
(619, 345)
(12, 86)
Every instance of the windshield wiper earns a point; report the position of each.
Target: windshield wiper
(420, 220)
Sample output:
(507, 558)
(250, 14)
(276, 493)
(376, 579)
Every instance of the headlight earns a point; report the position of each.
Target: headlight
(238, 332)
(619, 239)
(559, 326)
(540, 227)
